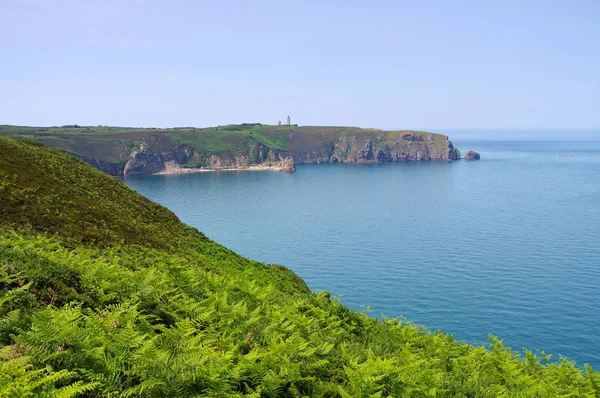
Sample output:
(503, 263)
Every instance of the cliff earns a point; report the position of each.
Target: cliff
(352, 145)
(129, 151)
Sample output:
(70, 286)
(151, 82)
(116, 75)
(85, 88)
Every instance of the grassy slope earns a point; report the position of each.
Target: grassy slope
(114, 143)
(103, 291)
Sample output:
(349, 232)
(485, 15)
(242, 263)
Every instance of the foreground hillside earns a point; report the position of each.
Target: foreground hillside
(105, 293)
(120, 151)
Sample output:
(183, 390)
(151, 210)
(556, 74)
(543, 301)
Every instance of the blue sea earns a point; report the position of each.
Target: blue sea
(508, 245)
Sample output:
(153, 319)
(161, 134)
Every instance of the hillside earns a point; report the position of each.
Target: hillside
(120, 151)
(105, 293)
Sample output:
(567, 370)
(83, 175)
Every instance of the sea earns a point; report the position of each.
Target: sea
(508, 245)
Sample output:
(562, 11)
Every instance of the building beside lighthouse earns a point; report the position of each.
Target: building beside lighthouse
(288, 122)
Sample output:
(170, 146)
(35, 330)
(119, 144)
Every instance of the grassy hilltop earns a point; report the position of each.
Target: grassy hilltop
(105, 293)
(109, 142)
(121, 150)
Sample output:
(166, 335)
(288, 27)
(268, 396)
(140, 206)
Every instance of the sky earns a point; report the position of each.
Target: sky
(384, 64)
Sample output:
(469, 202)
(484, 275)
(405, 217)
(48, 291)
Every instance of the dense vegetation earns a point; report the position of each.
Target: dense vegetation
(105, 293)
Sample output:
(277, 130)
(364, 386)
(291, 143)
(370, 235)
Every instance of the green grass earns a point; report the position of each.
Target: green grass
(107, 142)
(105, 293)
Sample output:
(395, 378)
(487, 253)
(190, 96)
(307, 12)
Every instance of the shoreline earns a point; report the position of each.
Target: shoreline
(173, 169)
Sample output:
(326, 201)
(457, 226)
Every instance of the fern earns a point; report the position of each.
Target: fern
(130, 303)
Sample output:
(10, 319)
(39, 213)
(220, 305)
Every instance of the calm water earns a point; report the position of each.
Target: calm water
(509, 245)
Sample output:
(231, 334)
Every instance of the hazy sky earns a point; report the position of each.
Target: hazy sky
(389, 64)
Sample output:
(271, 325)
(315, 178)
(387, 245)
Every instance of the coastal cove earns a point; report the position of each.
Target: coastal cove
(506, 245)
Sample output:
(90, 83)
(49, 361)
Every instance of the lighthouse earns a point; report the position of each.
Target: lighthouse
(289, 121)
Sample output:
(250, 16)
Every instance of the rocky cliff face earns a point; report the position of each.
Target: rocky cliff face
(113, 169)
(384, 147)
(147, 160)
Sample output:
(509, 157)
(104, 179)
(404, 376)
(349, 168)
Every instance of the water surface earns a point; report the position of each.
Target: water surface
(508, 245)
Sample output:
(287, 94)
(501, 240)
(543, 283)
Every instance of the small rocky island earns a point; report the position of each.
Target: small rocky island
(472, 155)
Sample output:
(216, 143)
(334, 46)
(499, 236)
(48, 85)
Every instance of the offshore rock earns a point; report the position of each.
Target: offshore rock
(472, 155)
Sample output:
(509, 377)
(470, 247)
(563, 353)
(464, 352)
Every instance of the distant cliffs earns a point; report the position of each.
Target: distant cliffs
(130, 151)
(380, 147)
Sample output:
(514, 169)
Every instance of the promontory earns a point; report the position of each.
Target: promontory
(127, 151)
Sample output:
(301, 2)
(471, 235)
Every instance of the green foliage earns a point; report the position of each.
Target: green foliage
(104, 293)
(49, 192)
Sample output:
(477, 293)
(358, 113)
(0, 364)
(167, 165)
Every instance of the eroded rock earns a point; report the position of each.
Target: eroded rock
(472, 155)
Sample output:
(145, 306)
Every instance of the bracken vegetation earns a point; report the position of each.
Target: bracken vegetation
(105, 293)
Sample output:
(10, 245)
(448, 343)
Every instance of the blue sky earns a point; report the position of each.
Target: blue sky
(387, 64)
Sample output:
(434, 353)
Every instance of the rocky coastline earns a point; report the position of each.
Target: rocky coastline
(123, 151)
(355, 148)
(172, 168)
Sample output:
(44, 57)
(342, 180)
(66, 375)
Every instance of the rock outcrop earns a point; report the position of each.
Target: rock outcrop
(472, 155)
(148, 160)
(288, 165)
(113, 169)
